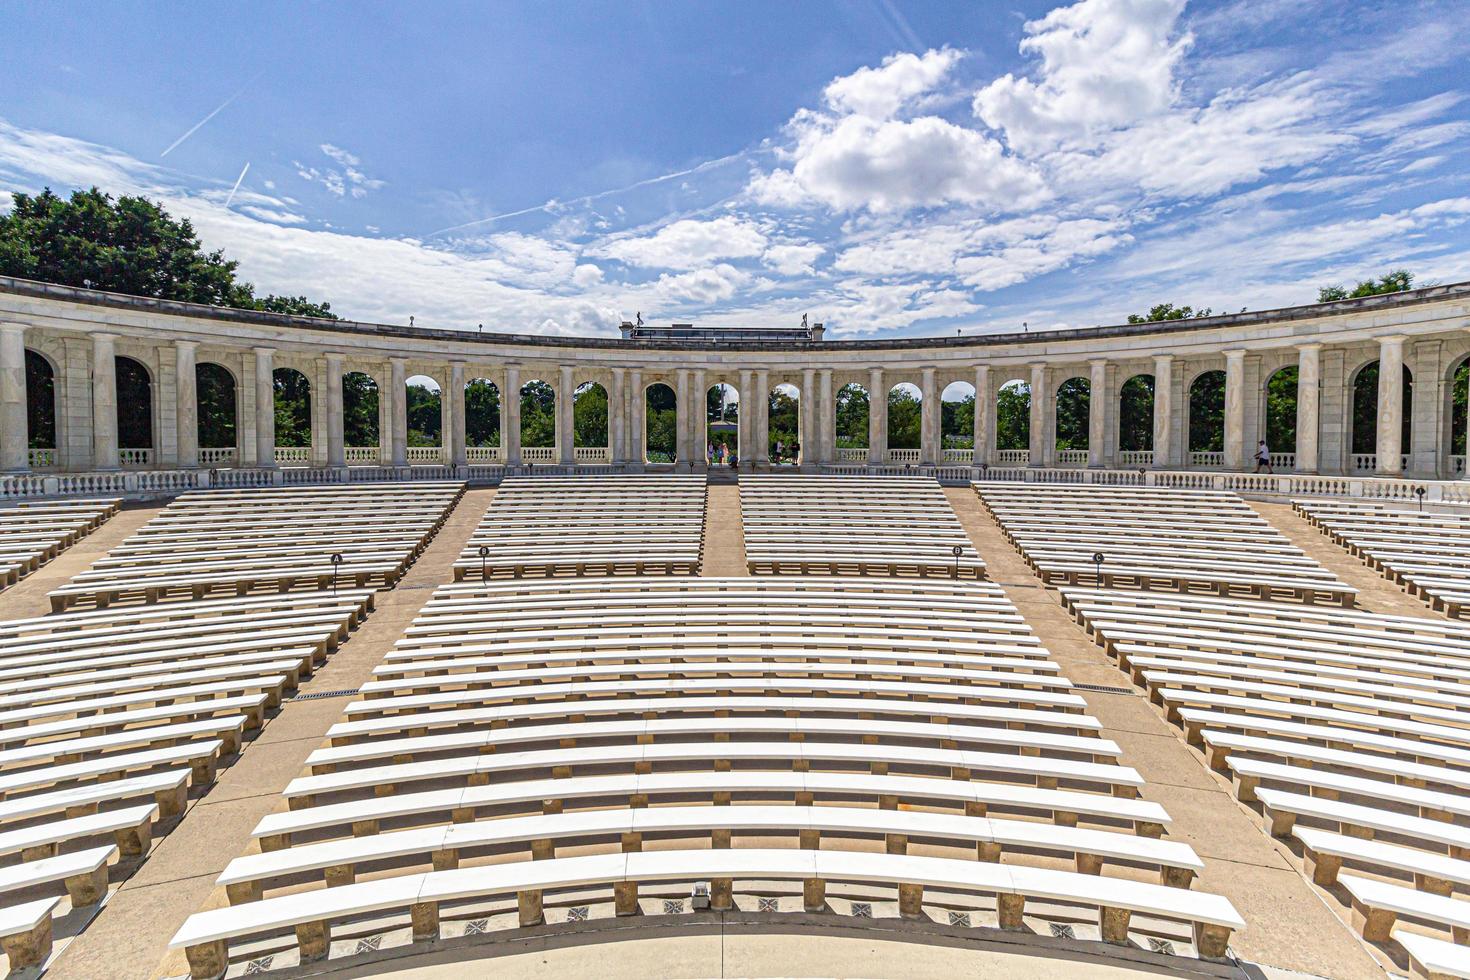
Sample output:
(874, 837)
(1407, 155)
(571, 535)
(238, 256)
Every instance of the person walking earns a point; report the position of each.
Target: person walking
(1263, 457)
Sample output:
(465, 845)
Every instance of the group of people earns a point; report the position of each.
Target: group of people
(720, 454)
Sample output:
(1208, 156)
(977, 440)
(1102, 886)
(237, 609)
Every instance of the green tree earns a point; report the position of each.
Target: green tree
(359, 410)
(216, 395)
(1207, 413)
(782, 425)
(1281, 410)
(1136, 414)
(1459, 417)
(904, 413)
(957, 423)
(1013, 416)
(425, 421)
(293, 408)
(660, 423)
(482, 413)
(1073, 398)
(1396, 281)
(852, 417)
(538, 415)
(1168, 311)
(128, 245)
(589, 415)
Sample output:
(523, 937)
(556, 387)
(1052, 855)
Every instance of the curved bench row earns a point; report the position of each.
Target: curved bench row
(34, 533)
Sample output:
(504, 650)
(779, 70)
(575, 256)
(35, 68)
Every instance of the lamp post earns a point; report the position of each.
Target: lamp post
(958, 550)
(484, 553)
(336, 560)
(1097, 560)
(1419, 492)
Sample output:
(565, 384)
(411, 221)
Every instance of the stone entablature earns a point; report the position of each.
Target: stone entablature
(79, 331)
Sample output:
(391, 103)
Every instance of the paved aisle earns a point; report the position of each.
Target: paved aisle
(724, 534)
(130, 934)
(1287, 925)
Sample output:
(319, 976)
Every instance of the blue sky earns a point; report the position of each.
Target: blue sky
(889, 168)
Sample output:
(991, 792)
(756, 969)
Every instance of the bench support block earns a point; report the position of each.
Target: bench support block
(30, 948)
(528, 905)
(1011, 910)
(625, 897)
(89, 888)
(1113, 924)
(314, 940)
(721, 894)
(425, 916)
(911, 900)
(208, 961)
(1375, 925)
(1211, 941)
(814, 895)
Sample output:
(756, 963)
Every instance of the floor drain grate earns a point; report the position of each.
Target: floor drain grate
(1105, 689)
(959, 919)
(1063, 931)
(673, 906)
(476, 927)
(768, 905)
(369, 945)
(1161, 946)
(337, 694)
(259, 965)
(862, 910)
(577, 913)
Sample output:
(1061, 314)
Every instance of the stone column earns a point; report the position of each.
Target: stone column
(763, 418)
(565, 437)
(336, 422)
(984, 435)
(826, 427)
(398, 421)
(1163, 408)
(458, 420)
(637, 427)
(186, 404)
(1390, 405)
(930, 435)
(1234, 409)
(1038, 433)
(699, 423)
(1308, 394)
(617, 418)
(809, 438)
(745, 436)
(877, 418)
(15, 454)
(683, 416)
(510, 417)
(265, 407)
(1099, 401)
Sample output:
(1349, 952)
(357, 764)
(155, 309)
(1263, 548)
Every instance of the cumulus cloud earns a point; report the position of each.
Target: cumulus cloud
(880, 92)
(690, 243)
(702, 286)
(1104, 64)
(792, 260)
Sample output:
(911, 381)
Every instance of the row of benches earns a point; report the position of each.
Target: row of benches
(110, 718)
(1156, 539)
(853, 526)
(533, 740)
(1350, 730)
(277, 539)
(32, 533)
(1427, 553)
(603, 525)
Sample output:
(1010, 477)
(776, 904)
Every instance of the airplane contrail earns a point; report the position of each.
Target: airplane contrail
(237, 183)
(218, 109)
(586, 198)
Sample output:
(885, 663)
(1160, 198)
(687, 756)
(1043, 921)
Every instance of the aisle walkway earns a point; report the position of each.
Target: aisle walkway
(126, 939)
(724, 534)
(1288, 925)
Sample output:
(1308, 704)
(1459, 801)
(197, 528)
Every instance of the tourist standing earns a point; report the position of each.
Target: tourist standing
(1263, 457)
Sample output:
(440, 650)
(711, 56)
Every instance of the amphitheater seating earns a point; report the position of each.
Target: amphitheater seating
(1427, 553)
(603, 525)
(1350, 730)
(279, 539)
(108, 717)
(574, 720)
(1156, 539)
(853, 526)
(33, 533)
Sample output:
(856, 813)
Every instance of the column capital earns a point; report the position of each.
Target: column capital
(337, 356)
(1235, 353)
(1391, 339)
(1163, 359)
(186, 344)
(398, 360)
(103, 336)
(264, 350)
(9, 327)
(1314, 345)
(1097, 362)
(457, 363)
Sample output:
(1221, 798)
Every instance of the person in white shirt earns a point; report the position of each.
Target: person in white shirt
(1263, 457)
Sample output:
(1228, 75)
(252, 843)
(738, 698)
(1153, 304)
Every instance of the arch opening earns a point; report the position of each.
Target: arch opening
(1364, 420)
(1207, 419)
(217, 400)
(957, 421)
(1073, 429)
(134, 412)
(1013, 420)
(905, 416)
(361, 421)
(783, 426)
(538, 420)
(425, 409)
(1280, 426)
(1459, 415)
(293, 413)
(722, 425)
(850, 427)
(589, 416)
(481, 420)
(1136, 419)
(40, 410)
(660, 423)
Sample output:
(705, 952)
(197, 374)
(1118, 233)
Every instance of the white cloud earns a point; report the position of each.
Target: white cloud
(349, 180)
(702, 286)
(792, 260)
(690, 243)
(895, 165)
(586, 276)
(1104, 64)
(880, 92)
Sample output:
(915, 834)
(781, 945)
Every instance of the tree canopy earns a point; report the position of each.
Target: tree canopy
(1168, 311)
(1390, 282)
(126, 245)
